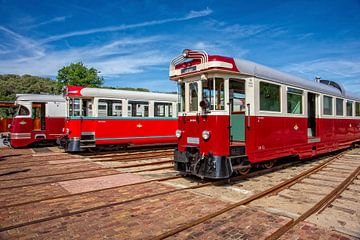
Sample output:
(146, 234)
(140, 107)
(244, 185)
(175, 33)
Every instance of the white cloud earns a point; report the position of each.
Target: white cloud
(191, 15)
(344, 71)
(52, 20)
(236, 30)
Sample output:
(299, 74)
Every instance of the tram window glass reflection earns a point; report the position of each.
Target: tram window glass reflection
(193, 89)
(87, 107)
(181, 95)
(207, 92)
(237, 95)
(349, 111)
(339, 107)
(109, 108)
(22, 111)
(269, 97)
(357, 109)
(74, 107)
(219, 94)
(162, 109)
(327, 105)
(138, 109)
(294, 101)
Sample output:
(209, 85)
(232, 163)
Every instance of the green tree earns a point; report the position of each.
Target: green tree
(76, 74)
(11, 84)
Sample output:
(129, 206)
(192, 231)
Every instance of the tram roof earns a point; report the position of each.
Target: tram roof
(264, 72)
(125, 94)
(39, 98)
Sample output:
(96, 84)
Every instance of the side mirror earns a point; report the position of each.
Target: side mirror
(204, 104)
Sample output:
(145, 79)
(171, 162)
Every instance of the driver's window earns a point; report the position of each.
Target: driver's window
(208, 91)
(193, 90)
(219, 94)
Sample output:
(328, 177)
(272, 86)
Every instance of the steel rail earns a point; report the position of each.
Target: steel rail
(323, 203)
(276, 188)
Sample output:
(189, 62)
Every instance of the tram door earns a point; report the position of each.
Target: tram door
(237, 110)
(38, 116)
(311, 102)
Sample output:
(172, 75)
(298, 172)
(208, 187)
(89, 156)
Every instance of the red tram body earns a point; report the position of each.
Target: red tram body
(235, 114)
(108, 118)
(37, 118)
(5, 118)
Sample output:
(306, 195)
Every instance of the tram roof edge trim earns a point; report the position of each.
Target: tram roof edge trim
(39, 98)
(124, 94)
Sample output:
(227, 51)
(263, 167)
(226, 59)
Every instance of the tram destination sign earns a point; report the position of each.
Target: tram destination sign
(188, 69)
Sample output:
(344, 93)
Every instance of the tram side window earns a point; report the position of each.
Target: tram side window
(74, 107)
(294, 101)
(357, 109)
(162, 109)
(219, 94)
(87, 107)
(102, 108)
(269, 97)
(193, 88)
(109, 108)
(237, 95)
(327, 109)
(181, 95)
(138, 109)
(339, 107)
(207, 92)
(22, 111)
(349, 107)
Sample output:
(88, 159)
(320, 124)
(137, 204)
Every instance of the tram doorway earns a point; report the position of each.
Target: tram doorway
(237, 110)
(38, 116)
(311, 103)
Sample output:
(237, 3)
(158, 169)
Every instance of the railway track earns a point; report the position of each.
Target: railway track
(273, 191)
(116, 203)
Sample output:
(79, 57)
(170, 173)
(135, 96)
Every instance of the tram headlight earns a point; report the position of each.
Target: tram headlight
(205, 135)
(178, 133)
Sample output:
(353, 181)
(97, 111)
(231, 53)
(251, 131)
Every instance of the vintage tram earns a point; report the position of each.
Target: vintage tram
(235, 114)
(38, 118)
(99, 118)
(6, 112)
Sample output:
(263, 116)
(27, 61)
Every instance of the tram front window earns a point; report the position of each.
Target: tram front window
(193, 89)
(22, 111)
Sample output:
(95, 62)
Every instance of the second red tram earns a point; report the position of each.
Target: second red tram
(38, 118)
(108, 118)
(235, 114)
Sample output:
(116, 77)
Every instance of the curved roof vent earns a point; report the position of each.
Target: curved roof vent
(331, 83)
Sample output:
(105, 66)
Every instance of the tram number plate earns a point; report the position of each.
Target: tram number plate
(188, 69)
(193, 140)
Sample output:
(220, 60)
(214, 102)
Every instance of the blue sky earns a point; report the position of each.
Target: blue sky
(132, 42)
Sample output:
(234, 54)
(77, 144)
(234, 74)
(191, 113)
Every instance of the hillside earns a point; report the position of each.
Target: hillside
(11, 84)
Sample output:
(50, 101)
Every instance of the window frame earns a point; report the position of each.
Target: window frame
(352, 108)
(298, 92)
(280, 97)
(331, 106)
(336, 107)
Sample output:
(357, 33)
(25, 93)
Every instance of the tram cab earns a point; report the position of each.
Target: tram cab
(212, 115)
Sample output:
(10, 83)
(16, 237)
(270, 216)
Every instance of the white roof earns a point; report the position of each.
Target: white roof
(39, 98)
(124, 94)
(261, 71)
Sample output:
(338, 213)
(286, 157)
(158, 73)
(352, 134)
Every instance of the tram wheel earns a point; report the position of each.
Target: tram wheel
(244, 171)
(268, 164)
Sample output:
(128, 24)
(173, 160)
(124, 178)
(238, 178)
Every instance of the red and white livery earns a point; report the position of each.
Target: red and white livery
(235, 114)
(109, 118)
(37, 118)
(5, 118)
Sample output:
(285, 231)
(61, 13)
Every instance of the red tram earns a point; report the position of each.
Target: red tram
(38, 118)
(235, 114)
(108, 118)
(5, 117)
